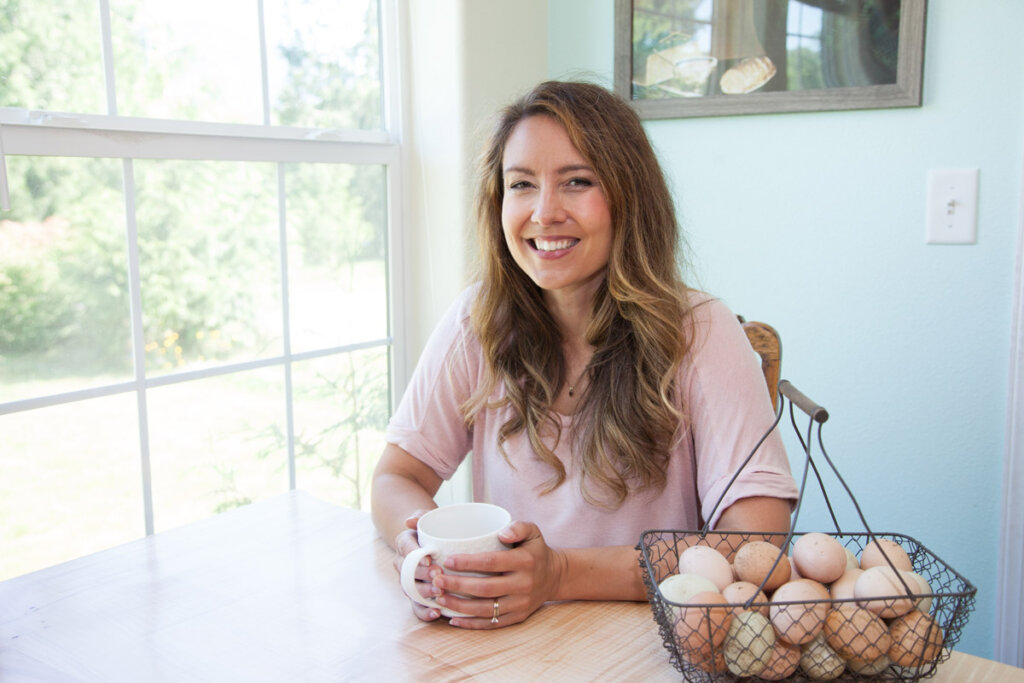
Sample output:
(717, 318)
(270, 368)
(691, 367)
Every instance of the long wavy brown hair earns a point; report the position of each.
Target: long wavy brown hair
(628, 414)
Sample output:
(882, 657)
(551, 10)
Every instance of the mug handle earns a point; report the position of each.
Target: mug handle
(409, 565)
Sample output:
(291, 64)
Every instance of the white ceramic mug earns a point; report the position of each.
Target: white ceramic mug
(450, 530)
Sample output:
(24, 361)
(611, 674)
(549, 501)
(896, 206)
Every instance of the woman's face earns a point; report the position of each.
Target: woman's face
(554, 213)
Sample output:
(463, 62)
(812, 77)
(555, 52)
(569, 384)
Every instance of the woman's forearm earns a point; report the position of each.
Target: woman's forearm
(401, 487)
(393, 500)
(608, 573)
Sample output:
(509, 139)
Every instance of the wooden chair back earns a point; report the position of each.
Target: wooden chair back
(768, 345)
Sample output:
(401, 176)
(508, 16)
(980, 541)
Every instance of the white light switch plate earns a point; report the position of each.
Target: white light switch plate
(952, 206)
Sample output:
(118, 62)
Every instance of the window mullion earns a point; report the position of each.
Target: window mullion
(286, 326)
(138, 341)
(5, 195)
(107, 42)
(263, 63)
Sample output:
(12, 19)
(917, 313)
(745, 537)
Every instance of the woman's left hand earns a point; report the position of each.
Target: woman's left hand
(524, 577)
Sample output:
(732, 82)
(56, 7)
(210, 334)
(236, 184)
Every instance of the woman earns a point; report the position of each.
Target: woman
(598, 395)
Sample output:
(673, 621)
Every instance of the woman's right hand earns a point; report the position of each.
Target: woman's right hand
(405, 542)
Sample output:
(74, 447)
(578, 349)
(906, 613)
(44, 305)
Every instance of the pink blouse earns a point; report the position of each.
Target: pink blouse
(725, 398)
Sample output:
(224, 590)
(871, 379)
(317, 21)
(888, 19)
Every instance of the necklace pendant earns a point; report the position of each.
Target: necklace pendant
(572, 391)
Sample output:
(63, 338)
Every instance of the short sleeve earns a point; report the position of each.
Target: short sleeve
(428, 423)
(730, 411)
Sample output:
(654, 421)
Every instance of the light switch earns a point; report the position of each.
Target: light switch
(952, 206)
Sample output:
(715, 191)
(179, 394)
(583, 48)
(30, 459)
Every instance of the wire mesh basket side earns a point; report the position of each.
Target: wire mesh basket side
(950, 601)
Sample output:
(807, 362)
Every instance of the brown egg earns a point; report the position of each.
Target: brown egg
(878, 589)
(712, 665)
(820, 661)
(739, 592)
(857, 633)
(820, 557)
(755, 559)
(702, 629)
(916, 639)
(842, 588)
(707, 562)
(794, 573)
(784, 660)
(799, 622)
(874, 555)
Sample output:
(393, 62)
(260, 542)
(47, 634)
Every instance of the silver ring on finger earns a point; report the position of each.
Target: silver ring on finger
(494, 615)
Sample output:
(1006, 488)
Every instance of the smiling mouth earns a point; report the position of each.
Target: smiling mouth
(552, 245)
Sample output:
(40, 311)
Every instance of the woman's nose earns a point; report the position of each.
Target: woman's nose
(548, 209)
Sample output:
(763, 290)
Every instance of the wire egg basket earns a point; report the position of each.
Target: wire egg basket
(904, 636)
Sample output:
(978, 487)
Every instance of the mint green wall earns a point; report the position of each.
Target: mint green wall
(815, 223)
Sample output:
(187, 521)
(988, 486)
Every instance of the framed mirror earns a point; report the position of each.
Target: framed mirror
(685, 58)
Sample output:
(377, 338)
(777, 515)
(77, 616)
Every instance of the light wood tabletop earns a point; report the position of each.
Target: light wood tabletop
(296, 589)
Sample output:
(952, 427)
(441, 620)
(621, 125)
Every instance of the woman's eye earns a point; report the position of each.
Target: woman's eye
(581, 182)
(519, 185)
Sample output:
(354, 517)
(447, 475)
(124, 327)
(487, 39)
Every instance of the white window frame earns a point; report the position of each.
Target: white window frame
(51, 133)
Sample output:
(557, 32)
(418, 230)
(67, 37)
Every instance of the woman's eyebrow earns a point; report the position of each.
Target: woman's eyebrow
(569, 168)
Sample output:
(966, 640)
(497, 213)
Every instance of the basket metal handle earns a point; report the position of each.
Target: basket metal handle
(800, 400)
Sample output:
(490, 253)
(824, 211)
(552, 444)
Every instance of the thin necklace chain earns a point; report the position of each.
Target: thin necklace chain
(572, 387)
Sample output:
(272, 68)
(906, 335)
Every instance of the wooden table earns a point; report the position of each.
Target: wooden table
(295, 589)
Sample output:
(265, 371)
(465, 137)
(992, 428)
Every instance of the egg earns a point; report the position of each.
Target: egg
(681, 587)
(857, 633)
(707, 562)
(877, 583)
(701, 629)
(712, 665)
(851, 559)
(875, 553)
(783, 663)
(842, 588)
(739, 592)
(869, 668)
(820, 661)
(799, 622)
(748, 645)
(925, 603)
(820, 557)
(916, 639)
(754, 561)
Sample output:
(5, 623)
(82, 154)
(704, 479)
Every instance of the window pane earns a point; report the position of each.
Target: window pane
(64, 312)
(340, 411)
(337, 233)
(323, 63)
(214, 446)
(50, 56)
(188, 59)
(70, 482)
(209, 262)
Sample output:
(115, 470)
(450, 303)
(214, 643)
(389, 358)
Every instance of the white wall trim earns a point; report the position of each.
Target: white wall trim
(464, 60)
(1009, 629)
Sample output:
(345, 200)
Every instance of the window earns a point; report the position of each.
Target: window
(197, 264)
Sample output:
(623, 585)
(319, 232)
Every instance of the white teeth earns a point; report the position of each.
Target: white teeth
(553, 245)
